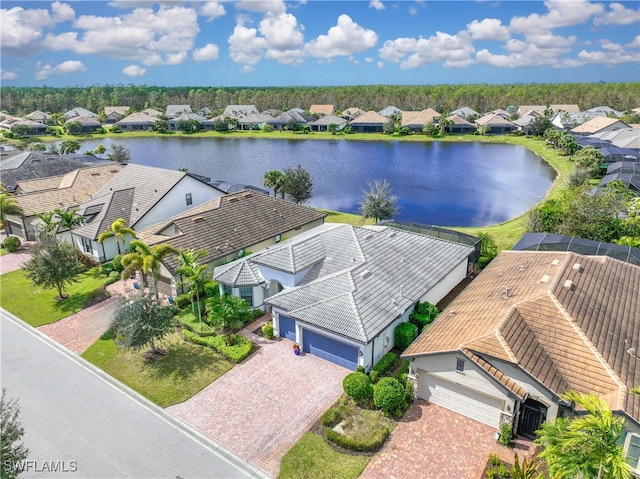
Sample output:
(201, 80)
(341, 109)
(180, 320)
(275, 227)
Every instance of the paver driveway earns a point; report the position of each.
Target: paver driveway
(260, 408)
(431, 442)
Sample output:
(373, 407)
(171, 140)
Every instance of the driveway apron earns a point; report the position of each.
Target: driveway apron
(262, 407)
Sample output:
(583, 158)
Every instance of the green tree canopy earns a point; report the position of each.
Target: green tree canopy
(146, 259)
(119, 154)
(119, 230)
(298, 184)
(8, 206)
(274, 179)
(195, 276)
(378, 202)
(12, 450)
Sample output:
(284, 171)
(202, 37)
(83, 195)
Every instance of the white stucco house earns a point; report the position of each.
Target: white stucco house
(339, 290)
(531, 326)
(142, 196)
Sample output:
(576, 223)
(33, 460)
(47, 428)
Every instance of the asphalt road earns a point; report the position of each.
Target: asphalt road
(80, 423)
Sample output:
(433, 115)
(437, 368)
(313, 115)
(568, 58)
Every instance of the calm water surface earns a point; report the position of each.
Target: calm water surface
(455, 184)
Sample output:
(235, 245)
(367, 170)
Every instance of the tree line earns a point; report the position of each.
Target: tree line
(20, 101)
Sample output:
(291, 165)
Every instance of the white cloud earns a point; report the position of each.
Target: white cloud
(521, 54)
(70, 66)
(380, 64)
(134, 71)
(488, 29)
(209, 52)
(549, 40)
(7, 75)
(618, 15)
(368, 60)
(212, 10)
(145, 35)
(451, 50)
(561, 13)
(608, 57)
(376, 4)
(22, 30)
(245, 46)
(262, 6)
(344, 39)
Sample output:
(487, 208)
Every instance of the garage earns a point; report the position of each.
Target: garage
(330, 349)
(467, 402)
(287, 327)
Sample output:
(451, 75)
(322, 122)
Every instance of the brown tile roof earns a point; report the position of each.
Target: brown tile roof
(566, 319)
(419, 117)
(369, 118)
(492, 119)
(230, 223)
(597, 124)
(64, 191)
(321, 109)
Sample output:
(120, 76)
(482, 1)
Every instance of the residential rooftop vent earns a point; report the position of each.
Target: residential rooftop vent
(365, 274)
(568, 284)
(233, 200)
(368, 237)
(555, 262)
(577, 267)
(545, 278)
(198, 219)
(392, 234)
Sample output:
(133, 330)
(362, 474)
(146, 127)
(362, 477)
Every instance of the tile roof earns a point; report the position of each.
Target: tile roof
(322, 109)
(419, 117)
(369, 118)
(228, 224)
(64, 191)
(328, 120)
(356, 280)
(492, 119)
(239, 110)
(129, 195)
(565, 318)
(138, 119)
(596, 124)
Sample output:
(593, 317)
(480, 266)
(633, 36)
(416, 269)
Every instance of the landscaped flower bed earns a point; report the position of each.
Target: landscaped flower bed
(238, 350)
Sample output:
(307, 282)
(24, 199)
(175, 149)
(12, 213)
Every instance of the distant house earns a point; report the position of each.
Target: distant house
(79, 112)
(352, 113)
(34, 128)
(137, 122)
(530, 327)
(206, 112)
(141, 195)
(523, 123)
(599, 125)
(174, 111)
(459, 126)
(390, 111)
(322, 109)
(369, 122)
(239, 111)
(541, 110)
(288, 118)
(340, 290)
(115, 113)
(622, 138)
(566, 121)
(226, 228)
(174, 123)
(496, 124)
(416, 120)
(324, 122)
(57, 192)
(87, 124)
(39, 116)
(254, 121)
(608, 111)
(465, 112)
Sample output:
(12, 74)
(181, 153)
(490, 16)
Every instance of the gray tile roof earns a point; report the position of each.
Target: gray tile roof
(360, 278)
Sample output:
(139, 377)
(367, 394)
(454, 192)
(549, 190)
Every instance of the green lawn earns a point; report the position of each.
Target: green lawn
(347, 218)
(186, 369)
(37, 306)
(313, 458)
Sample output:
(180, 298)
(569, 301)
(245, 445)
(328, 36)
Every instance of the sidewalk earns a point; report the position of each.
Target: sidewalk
(13, 261)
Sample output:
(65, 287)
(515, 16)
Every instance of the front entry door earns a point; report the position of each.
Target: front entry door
(532, 415)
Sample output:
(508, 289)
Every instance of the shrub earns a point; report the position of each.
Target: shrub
(423, 315)
(357, 386)
(113, 277)
(361, 369)
(374, 376)
(333, 416)
(405, 333)
(388, 395)
(409, 392)
(183, 300)
(236, 352)
(106, 268)
(506, 433)
(385, 363)
(212, 289)
(267, 330)
(116, 262)
(11, 244)
(372, 443)
(192, 323)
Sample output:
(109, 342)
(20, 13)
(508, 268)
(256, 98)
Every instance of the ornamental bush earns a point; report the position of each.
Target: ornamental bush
(11, 244)
(267, 330)
(183, 300)
(388, 395)
(385, 363)
(423, 314)
(236, 352)
(357, 386)
(333, 416)
(212, 289)
(116, 262)
(405, 334)
(371, 443)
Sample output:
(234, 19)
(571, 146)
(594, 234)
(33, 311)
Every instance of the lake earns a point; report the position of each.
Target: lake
(452, 184)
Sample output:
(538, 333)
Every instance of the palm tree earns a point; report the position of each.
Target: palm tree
(119, 230)
(275, 179)
(226, 309)
(67, 220)
(8, 206)
(195, 276)
(146, 259)
(48, 221)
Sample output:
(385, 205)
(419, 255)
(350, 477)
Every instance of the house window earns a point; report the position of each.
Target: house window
(86, 245)
(633, 450)
(189, 199)
(247, 295)
(227, 289)
(460, 365)
(278, 238)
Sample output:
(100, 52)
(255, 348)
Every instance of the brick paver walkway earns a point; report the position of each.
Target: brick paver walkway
(13, 261)
(432, 442)
(260, 408)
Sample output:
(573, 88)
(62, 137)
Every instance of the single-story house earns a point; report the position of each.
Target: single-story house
(369, 122)
(174, 123)
(87, 124)
(390, 111)
(139, 121)
(322, 109)
(500, 112)
(524, 110)
(459, 126)
(141, 195)
(340, 290)
(465, 112)
(524, 122)
(623, 138)
(285, 119)
(79, 112)
(47, 194)
(352, 113)
(39, 116)
(496, 123)
(34, 127)
(416, 120)
(254, 121)
(531, 326)
(599, 125)
(226, 228)
(173, 111)
(239, 111)
(324, 122)
(566, 121)
(608, 111)
(115, 113)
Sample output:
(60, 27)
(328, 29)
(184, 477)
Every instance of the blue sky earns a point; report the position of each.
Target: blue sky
(317, 43)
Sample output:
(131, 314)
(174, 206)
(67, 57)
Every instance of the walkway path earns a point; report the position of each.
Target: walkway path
(262, 407)
(13, 261)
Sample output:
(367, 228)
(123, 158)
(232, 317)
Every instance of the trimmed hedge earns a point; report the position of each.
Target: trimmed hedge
(333, 416)
(236, 352)
(183, 300)
(389, 395)
(267, 330)
(385, 363)
(423, 315)
(405, 334)
(190, 322)
(372, 443)
(357, 386)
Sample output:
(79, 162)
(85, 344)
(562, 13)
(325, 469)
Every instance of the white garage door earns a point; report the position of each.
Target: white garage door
(457, 398)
